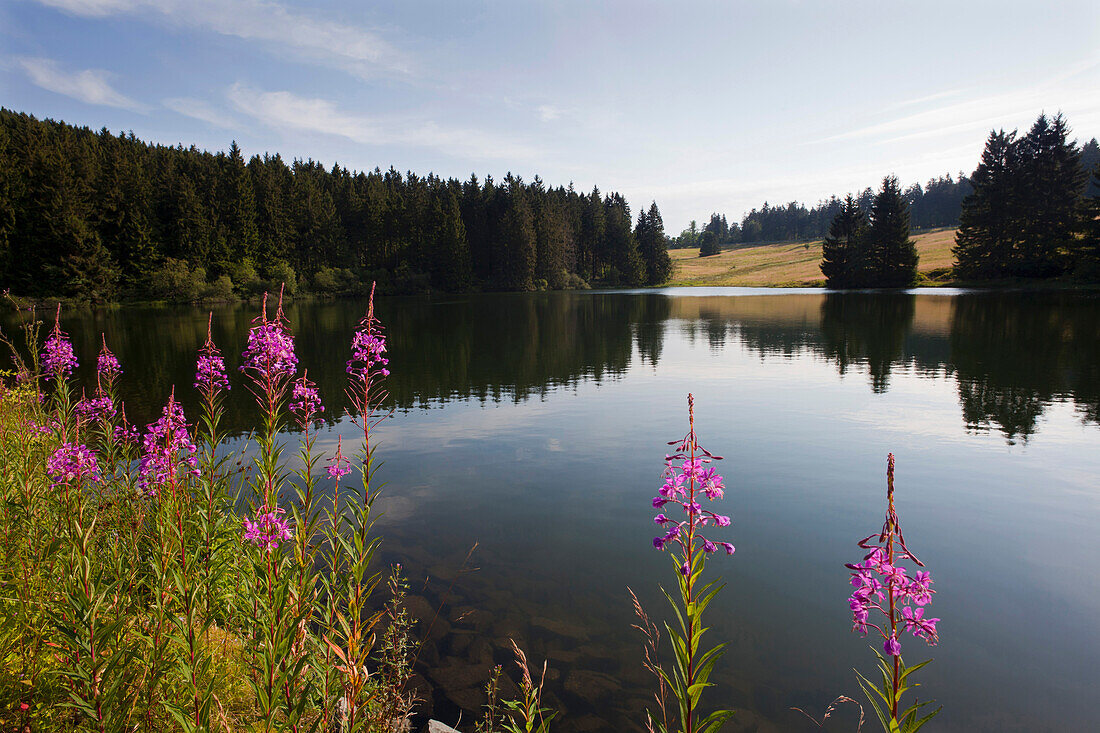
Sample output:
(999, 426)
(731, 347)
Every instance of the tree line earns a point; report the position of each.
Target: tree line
(933, 205)
(100, 216)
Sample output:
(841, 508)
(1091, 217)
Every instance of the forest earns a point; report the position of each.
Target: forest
(102, 217)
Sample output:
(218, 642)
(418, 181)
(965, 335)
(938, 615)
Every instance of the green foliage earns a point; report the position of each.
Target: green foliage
(876, 255)
(708, 244)
(885, 699)
(1026, 217)
(97, 216)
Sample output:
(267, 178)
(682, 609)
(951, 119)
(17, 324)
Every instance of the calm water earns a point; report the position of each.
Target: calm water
(535, 425)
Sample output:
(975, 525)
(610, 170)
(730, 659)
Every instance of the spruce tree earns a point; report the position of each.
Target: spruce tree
(518, 239)
(650, 233)
(1051, 181)
(450, 265)
(989, 222)
(893, 255)
(843, 255)
(625, 263)
(1087, 265)
(708, 244)
(237, 207)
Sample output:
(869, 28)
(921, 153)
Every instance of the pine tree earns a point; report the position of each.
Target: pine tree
(650, 233)
(708, 244)
(518, 239)
(893, 255)
(272, 183)
(237, 209)
(626, 266)
(551, 239)
(123, 210)
(989, 226)
(1087, 265)
(592, 236)
(450, 266)
(1051, 182)
(843, 253)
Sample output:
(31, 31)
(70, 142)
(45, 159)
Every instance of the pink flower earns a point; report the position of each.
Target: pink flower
(267, 529)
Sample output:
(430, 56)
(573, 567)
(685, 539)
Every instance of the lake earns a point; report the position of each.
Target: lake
(535, 425)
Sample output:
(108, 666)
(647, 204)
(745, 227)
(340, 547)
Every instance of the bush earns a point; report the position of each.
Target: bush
(220, 291)
(175, 281)
(280, 274)
(573, 281)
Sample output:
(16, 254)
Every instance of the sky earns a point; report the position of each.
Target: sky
(700, 106)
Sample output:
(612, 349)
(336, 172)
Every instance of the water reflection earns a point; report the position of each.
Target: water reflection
(1012, 355)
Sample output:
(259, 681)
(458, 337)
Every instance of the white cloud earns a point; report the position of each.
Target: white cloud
(288, 111)
(200, 110)
(548, 112)
(354, 49)
(90, 85)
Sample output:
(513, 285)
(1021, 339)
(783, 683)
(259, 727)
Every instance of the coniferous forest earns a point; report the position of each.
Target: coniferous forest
(102, 217)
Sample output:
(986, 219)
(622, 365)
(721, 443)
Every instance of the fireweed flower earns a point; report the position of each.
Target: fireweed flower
(269, 354)
(268, 528)
(210, 376)
(107, 366)
(97, 408)
(57, 356)
(167, 450)
(885, 591)
(883, 585)
(341, 466)
(126, 434)
(682, 484)
(305, 403)
(72, 462)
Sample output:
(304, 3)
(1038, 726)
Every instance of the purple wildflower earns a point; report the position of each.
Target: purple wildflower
(72, 462)
(880, 575)
(341, 466)
(126, 434)
(267, 528)
(97, 408)
(685, 476)
(305, 403)
(367, 348)
(107, 366)
(58, 359)
(210, 376)
(168, 450)
(269, 353)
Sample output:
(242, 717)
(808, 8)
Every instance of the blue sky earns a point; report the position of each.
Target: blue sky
(702, 107)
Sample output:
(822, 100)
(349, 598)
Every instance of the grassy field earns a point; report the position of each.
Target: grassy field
(787, 264)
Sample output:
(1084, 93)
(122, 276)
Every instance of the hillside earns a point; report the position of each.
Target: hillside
(786, 264)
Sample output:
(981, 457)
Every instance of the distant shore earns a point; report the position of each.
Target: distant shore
(796, 264)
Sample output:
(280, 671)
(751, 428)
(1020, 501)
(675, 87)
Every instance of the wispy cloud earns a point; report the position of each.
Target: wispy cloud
(980, 113)
(288, 111)
(923, 100)
(200, 110)
(357, 50)
(90, 85)
(548, 112)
